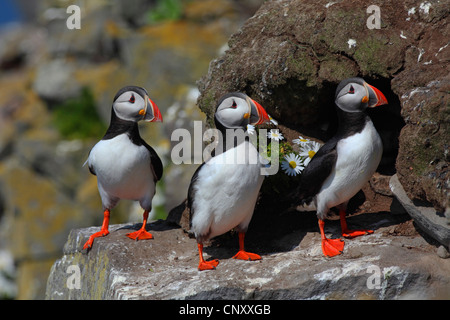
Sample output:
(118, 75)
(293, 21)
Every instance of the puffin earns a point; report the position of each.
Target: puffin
(125, 165)
(346, 162)
(224, 189)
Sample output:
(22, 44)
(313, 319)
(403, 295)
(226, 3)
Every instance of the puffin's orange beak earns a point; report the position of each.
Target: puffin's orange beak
(259, 115)
(376, 97)
(157, 117)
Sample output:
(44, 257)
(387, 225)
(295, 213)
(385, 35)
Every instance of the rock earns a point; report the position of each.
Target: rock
(8, 288)
(291, 55)
(443, 253)
(422, 163)
(430, 221)
(54, 81)
(134, 13)
(376, 266)
(34, 208)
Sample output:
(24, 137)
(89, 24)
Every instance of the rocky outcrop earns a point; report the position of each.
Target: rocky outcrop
(433, 223)
(291, 55)
(393, 263)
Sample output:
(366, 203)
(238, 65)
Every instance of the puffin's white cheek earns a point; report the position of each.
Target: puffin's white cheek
(231, 117)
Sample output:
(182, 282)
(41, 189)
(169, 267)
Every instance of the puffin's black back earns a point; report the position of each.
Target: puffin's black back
(317, 171)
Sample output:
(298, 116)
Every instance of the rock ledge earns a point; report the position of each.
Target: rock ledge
(394, 262)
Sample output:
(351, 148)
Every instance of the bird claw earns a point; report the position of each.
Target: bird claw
(355, 233)
(243, 255)
(90, 242)
(332, 247)
(140, 235)
(208, 265)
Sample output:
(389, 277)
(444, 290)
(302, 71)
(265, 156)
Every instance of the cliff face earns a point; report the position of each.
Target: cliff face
(394, 262)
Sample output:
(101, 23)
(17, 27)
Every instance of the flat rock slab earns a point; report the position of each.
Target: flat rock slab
(394, 262)
(434, 223)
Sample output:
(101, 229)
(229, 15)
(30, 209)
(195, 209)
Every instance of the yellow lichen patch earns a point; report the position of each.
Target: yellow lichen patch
(193, 39)
(87, 194)
(208, 9)
(32, 278)
(101, 78)
(39, 210)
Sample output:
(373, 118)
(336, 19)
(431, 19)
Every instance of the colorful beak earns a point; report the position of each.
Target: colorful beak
(258, 114)
(376, 97)
(155, 114)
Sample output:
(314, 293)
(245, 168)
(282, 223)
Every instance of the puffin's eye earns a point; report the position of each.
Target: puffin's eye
(132, 98)
(352, 90)
(234, 105)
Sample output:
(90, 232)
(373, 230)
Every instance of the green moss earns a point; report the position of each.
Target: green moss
(166, 10)
(301, 65)
(78, 118)
(370, 56)
(336, 68)
(207, 105)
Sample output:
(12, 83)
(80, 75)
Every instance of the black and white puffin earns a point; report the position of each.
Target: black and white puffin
(346, 162)
(224, 190)
(125, 165)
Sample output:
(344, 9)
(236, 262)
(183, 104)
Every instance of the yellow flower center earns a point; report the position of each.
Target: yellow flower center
(311, 153)
(292, 164)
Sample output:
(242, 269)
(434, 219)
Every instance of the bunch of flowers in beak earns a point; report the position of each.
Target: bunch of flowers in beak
(292, 162)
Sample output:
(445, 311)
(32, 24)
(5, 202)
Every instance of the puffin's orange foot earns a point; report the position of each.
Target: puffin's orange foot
(355, 233)
(332, 247)
(208, 265)
(89, 243)
(243, 255)
(141, 234)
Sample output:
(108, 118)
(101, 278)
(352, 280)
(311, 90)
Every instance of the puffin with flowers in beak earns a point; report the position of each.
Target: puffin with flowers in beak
(125, 165)
(346, 162)
(223, 191)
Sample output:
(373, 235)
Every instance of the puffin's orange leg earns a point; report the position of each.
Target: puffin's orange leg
(242, 254)
(330, 247)
(103, 231)
(346, 233)
(141, 234)
(205, 265)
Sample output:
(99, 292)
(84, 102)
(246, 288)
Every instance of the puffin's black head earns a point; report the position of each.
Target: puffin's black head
(132, 103)
(355, 95)
(237, 110)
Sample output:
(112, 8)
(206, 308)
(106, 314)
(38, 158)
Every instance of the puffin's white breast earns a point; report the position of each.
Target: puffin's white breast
(358, 157)
(122, 168)
(226, 191)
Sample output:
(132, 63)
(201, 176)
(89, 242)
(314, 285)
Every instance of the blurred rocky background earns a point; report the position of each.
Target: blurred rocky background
(56, 90)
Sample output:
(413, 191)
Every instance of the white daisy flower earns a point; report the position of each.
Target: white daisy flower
(251, 129)
(275, 134)
(308, 151)
(301, 141)
(292, 164)
(272, 120)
